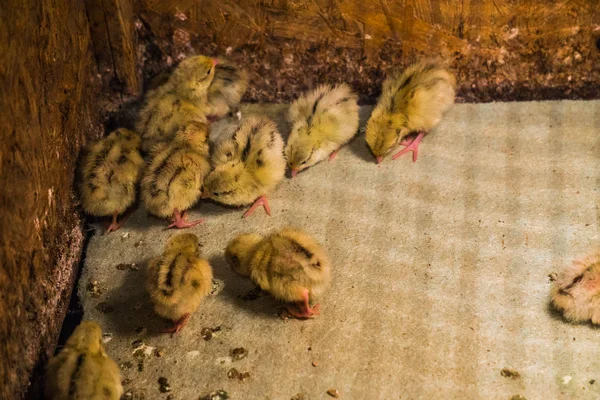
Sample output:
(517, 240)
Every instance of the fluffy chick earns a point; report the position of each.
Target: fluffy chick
(110, 171)
(413, 101)
(289, 264)
(226, 90)
(322, 121)
(173, 179)
(247, 166)
(178, 280)
(181, 99)
(82, 369)
(576, 293)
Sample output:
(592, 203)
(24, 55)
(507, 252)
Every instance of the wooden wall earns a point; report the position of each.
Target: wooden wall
(500, 49)
(46, 112)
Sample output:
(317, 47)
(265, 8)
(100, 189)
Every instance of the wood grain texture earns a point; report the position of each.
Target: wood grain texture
(46, 108)
(112, 32)
(500, 49)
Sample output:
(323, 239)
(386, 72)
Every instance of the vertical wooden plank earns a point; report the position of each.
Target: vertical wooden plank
(111, 24)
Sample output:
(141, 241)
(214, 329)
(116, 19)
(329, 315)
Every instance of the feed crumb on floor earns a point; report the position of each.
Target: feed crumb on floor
(333, 393)
(510, 373)
(94, 289)
(299, 396)
(216, 395)
(518, 397)
(239, 353)
(235, 374)
(165, 387)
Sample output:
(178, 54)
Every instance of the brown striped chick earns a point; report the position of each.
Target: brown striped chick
(576, 293)
(322, 122)
(411, 102)
(82, 369)
(183, 98)
(110, 171)
(178, 280)
(247, 166)
(173, 179)
(226, 90)
(289, 264)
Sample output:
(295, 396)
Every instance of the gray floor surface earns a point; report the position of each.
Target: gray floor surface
(440, 273)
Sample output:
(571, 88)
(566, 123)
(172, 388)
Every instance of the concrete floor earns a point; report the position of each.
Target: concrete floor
(440, 272)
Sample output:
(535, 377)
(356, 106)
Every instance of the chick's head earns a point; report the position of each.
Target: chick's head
(239, 250)
(87, 337)
(384, 132)
(301, 151)
(185, 243)
(193, 76)
(129, 139)
(224, 183)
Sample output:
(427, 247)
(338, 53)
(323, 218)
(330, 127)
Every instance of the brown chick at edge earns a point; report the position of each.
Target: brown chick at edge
(173, 179)
(289, 264)
(178, 280)
(82, 370)
(247, 166)
(413, 101)
(576, 292)
(181, 99)
(110, 171)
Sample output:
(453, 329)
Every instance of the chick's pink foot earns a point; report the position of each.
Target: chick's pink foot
(413, 146)
(262, 201)
(302, 309)
(332, 156)
(178, 325)
(180, 221)
(114, 225)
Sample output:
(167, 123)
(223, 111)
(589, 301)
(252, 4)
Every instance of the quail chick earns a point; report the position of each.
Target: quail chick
(247, 166)
(226, 90)
(82, 370)
(322, 122)
(289, 264)
(413, 101)
(173, 178)
(178, 280)
(182, 99)
(110, 171)
(576, 293)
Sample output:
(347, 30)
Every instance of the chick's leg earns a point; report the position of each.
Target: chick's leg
(178, 325)
(413, 146)
(180, 221)
(302, 309)
(332, 156)
(262, 201)
(114, 225)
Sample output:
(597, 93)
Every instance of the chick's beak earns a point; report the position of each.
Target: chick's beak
(379, 159)
(214, 61)
(204, 195)
(294, 173)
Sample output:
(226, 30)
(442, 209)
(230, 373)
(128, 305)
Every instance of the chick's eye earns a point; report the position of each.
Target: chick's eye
(216, 194)
(208, 72)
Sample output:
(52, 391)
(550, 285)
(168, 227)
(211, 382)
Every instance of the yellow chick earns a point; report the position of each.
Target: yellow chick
(322, 122)
(173, 179)
(82, 370)
(226, 90)
(289, 264)
(413, 101)
(110, 171)
(172, 105)
(576, 293)
(178, 280)
(247, 166)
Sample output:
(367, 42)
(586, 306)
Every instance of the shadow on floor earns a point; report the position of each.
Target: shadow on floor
(242, 291)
